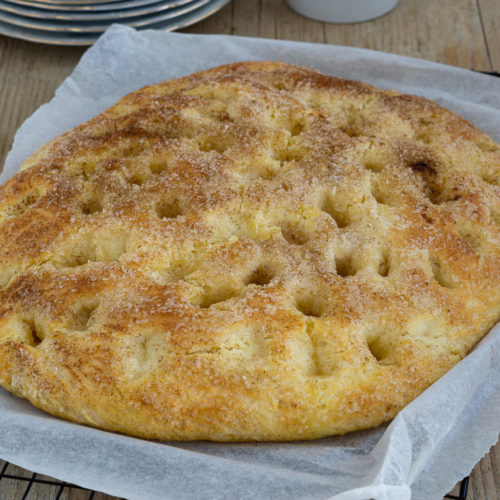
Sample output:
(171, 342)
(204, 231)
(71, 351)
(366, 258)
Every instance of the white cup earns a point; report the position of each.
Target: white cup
(342, 11)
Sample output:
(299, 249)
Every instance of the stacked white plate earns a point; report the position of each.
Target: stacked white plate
(80, 22)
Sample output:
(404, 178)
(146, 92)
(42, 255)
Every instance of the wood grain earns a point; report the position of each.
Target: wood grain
(489, 14)
(447, 31)
(463, 33)
(485, 478)
(29, 75)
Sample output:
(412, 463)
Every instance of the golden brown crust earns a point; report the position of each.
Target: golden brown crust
(254, 252)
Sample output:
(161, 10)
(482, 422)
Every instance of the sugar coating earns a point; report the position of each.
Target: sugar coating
(255, 252)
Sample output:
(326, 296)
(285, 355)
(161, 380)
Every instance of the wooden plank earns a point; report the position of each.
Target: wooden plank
(246, 17)
(485, 478)
(495, 466)
(263, 18)
(292, 26)
(29, 75)
(448, 31)
(269, 18)
(220, 22)
(489, 11)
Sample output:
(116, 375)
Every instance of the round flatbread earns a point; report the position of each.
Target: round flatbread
(254, 252)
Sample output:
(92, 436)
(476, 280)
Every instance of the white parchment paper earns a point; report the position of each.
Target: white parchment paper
(434, 441)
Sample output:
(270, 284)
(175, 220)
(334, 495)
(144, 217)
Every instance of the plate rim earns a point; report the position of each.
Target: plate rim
(57, 3)
(155, 7)
(83, 8)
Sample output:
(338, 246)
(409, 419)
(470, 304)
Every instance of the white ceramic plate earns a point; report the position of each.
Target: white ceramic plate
(114, 16)
(85, 39)
(64, 26)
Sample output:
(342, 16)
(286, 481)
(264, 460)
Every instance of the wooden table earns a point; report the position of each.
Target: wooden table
(463, 33)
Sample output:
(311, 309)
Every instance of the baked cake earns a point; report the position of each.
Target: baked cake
(254, 252)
